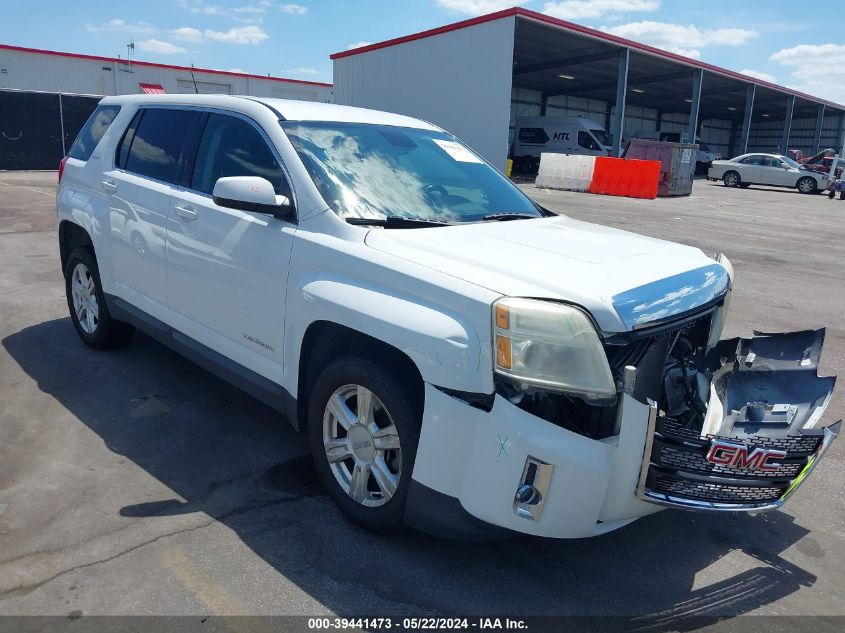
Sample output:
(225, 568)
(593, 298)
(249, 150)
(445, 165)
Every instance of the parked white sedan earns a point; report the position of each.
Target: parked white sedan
(766, 169)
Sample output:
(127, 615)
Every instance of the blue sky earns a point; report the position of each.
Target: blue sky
(775, 39)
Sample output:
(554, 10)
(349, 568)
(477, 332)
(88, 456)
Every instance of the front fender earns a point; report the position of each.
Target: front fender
(444, 346)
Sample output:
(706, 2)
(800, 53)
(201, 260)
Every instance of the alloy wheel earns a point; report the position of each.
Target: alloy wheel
(84, 295)
(362, 445)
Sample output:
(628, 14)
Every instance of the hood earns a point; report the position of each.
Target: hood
(621, 278)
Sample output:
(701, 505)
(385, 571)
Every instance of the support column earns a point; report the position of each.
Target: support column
(697, 80)
(817, 136)
(659, 121)
(787, 124)
(544, 101)
(732, 142)
(621, 94)
(750, 93)
(840, 140)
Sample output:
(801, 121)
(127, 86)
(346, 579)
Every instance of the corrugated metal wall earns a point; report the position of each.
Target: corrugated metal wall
(459, 80)
(55, 73)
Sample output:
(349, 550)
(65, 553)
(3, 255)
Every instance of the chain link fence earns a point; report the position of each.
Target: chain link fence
(37, 128)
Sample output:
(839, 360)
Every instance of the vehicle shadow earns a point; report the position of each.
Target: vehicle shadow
(219, 451)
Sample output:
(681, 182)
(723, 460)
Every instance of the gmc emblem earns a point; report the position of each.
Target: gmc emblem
(737, 455)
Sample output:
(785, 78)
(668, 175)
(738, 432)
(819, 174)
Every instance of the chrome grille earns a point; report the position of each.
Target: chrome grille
(692, 460)
(678, 474)
(714, 492)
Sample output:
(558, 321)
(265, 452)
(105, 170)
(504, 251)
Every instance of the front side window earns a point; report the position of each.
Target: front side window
(231, 146)
(93, 130)
(587, 142)
(602, 137)
(376, 171)
(158, 141)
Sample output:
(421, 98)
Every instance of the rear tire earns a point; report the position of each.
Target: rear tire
(87, 304)
(364, 457)
(807, 185)
(732, 179)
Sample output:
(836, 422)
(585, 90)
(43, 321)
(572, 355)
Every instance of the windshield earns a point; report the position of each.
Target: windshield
(790, 162)
(601, 136)
(376, 171)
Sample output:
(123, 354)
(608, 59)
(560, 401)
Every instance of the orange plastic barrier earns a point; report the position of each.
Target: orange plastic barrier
(620, 177)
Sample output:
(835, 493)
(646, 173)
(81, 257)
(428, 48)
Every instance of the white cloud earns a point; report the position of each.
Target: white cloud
(251, 8)
(118, 25)
(239, 35)
(159, 47)
(759, 75)
(295, 9)
(358, 45)
(817, 69)
(302, 71)
(187, 34)
(585, 9)
(478, 7)
(677, 38)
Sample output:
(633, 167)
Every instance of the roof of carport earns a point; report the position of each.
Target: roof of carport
(539, 48)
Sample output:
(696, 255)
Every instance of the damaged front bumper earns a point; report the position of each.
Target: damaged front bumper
(758, 441)
(473, 462)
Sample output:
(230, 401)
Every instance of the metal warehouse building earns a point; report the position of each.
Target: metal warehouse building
(46, 96)
(475, 77)
(71, 73)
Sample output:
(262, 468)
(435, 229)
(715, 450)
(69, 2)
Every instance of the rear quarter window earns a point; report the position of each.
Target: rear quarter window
(93, 130)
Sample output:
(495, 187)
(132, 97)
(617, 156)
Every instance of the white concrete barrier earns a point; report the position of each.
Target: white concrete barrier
(565, 171)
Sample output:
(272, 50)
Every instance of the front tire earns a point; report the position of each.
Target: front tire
(363, 433)
(87, 304)
(732, 179)
(807, 185)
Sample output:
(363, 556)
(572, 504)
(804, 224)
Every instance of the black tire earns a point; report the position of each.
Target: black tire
(744, 185)
(106, 332)
(396, 400)
(732, 179)
(807, 185)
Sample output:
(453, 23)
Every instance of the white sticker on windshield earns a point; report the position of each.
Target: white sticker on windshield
(458, 152)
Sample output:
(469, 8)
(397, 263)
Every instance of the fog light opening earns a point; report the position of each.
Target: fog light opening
(532, 489)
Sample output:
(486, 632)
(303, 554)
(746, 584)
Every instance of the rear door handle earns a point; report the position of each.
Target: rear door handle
(109, 185)
(186, 213)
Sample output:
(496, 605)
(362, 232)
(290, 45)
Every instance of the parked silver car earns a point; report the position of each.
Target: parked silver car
(766, 169)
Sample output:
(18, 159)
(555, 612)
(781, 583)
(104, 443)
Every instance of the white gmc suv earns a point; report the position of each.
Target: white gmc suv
(461, 359)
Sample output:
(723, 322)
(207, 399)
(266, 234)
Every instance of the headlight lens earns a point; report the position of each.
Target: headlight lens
(550, 345)
(717, 321)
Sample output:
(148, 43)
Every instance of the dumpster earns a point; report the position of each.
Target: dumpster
(677, 163)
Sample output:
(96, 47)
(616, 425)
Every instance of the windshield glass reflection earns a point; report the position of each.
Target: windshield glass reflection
(376, 171)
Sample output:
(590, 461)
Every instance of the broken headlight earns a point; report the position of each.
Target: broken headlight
(552, 346)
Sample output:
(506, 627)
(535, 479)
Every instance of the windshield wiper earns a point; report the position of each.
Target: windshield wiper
(508, 215)
(397, 222)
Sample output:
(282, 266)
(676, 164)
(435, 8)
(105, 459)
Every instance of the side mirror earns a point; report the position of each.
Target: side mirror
(251, 193)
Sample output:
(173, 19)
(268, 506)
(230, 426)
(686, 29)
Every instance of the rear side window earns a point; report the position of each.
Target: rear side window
(533, 135)
(155, 143)
(232, 147)
(93, 130)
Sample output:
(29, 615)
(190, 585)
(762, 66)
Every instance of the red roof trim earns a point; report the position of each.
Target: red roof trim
(490, 17)
(40, 51)
(584, 30)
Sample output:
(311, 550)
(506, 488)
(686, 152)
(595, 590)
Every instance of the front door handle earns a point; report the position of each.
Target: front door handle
(109, 186)
(186, 213)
